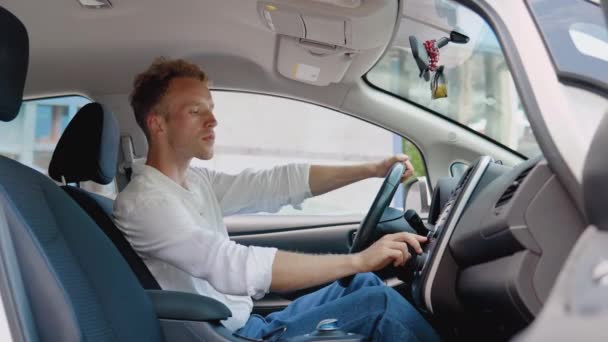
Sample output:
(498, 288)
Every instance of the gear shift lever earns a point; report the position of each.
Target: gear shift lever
(328, 330)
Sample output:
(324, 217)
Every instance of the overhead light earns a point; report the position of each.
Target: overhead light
(95, 3)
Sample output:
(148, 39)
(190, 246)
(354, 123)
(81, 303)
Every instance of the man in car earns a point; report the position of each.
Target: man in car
(172, 214)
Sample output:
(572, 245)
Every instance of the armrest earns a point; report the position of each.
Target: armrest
(187, 306)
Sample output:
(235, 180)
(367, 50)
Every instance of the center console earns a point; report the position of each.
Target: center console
(426, 265)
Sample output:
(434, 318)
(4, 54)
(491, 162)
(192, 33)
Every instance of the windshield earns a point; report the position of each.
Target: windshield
(480, 91)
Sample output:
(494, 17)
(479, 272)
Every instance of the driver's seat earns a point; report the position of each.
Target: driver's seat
(88, 151)
(61, 279)
(76, 285)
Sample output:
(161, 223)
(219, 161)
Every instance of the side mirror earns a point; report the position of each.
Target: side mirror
(458, 168)
(417, 196)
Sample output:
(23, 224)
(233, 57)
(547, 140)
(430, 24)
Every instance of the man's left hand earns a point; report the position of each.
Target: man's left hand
(385, 165)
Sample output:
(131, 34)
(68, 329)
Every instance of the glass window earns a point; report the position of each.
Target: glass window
(259, 132)
(32, 136)
(575, 34)
(480, 91)
(43, 121)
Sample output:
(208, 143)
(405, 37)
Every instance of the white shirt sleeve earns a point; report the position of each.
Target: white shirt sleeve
(161, 228)
(267, 190)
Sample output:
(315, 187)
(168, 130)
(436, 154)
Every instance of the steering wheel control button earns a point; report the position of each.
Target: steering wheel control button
(329, 324)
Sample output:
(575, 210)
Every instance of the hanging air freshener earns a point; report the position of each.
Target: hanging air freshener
(439, 86)
(426, 56)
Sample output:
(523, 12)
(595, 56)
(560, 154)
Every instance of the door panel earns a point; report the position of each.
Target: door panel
(305, 234)
(330, 239)
(257, 224)
(312, 234)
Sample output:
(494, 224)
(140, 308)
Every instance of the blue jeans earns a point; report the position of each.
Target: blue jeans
(365, 307)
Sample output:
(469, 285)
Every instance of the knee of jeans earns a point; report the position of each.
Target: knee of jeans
(378, 294)
(391, 302)
(367, 279)
(385, 296)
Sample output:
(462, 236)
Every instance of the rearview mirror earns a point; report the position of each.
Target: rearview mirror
(458, 38)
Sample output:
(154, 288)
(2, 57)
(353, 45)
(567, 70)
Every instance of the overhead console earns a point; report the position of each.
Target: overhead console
(318, 40)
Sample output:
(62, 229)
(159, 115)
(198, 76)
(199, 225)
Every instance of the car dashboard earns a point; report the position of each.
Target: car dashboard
(499, 237)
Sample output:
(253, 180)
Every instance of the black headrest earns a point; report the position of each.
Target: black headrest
(595, 178)
(88, 148)
(14, 55)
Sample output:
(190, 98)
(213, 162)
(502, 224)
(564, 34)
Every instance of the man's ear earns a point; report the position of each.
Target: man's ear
(155, 123)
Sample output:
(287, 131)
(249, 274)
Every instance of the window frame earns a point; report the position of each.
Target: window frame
(446, 118)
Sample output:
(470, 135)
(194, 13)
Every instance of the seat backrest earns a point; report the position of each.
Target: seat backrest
(76, 280)
(88, 151)
(595, 178)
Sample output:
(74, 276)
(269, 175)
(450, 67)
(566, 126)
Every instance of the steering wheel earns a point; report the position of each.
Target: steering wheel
(365, 234)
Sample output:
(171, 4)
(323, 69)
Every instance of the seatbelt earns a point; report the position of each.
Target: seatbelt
(126, 145)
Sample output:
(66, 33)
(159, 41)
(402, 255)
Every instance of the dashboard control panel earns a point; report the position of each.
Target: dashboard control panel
(426, 264)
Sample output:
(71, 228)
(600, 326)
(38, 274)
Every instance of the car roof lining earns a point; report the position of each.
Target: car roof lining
(71, 46)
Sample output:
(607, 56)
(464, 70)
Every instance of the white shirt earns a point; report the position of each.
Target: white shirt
(180, 234)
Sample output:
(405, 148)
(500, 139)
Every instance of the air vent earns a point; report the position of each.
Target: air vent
(506, 196)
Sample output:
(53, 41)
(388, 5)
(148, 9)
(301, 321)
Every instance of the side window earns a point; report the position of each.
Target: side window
(259, 132)
(32, 136)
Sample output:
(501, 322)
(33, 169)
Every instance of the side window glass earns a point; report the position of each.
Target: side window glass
(32, 136)
(260, 132)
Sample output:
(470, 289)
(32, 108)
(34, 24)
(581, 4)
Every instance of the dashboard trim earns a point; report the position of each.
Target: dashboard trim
(449, 229)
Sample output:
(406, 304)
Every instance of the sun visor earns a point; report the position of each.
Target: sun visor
(290, 23)
(319, 40)
(311, 62)
(285, 22)
(328, 30)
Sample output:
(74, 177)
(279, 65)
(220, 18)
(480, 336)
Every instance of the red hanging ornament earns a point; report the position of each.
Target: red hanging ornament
(433, 52)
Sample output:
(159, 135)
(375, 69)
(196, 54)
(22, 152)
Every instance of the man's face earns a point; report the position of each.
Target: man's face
(190, 120)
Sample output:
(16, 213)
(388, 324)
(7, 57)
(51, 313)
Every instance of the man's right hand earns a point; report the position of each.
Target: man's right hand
(294, 271)
(391, 248)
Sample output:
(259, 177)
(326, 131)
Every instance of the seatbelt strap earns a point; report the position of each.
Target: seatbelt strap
(126, 146)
